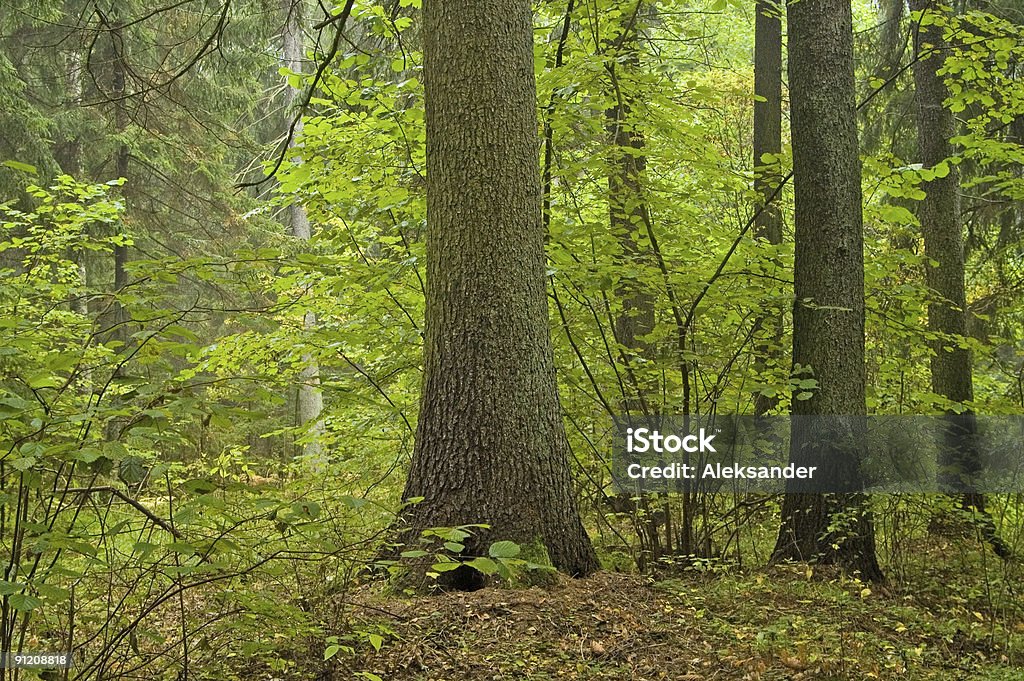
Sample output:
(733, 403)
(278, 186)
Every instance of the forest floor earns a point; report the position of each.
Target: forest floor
(775, 623)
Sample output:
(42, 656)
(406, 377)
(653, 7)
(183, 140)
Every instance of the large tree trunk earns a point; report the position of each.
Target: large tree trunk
(828, 313)
(940, 217)
(767, 140)
(490, 443)
(309, 401)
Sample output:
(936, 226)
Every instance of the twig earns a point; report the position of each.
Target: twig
(157, 520)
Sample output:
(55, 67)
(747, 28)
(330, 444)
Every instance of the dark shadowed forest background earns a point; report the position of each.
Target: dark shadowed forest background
(261, 418)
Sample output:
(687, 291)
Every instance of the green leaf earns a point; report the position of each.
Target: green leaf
(43, 380)
(504, 549)
(306, 509)
(24, 463)
(132, 470)
(199, 486)
(331, 651)
(24, 602)
(369, 676)
(8, 588)
(181, 547)
(53, 593)
(23, 167)
(453, 534)
(484, 565)
(87, 455)
(355, 503)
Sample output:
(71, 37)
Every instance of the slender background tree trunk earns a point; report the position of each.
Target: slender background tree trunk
(626, 208)
(626, 199)
(767, 140)
(309, 401)
(939, 214)
(119, 92)
(69, 157)
(942, 228)
(768, 113)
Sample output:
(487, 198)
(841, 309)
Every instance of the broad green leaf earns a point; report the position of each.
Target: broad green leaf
(23, 167)
(484, 565)
(504, 549)
(8, 588)
(24, 602)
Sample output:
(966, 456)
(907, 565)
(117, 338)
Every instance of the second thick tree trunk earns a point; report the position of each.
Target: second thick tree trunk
(828, 313)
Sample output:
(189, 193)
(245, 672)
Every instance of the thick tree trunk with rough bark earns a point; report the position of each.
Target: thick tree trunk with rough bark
(490, 443)
(309, 401)
(828, 312)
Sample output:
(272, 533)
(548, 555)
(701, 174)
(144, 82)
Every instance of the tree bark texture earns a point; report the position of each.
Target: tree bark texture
(828, 312)
(942, 228)
(490, 443)
(939, 214)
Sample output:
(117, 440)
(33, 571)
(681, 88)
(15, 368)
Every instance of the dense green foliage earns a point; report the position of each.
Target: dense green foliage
(156, 511)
